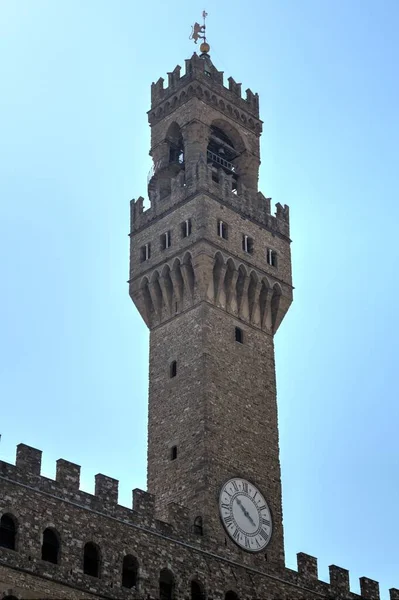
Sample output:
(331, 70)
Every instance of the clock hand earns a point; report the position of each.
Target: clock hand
(244, 510)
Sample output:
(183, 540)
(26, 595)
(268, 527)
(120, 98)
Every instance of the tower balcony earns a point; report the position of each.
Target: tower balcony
(218, 160)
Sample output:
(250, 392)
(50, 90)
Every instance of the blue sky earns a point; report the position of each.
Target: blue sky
(75, 87)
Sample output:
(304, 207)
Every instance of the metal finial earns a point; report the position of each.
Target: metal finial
(199, 32)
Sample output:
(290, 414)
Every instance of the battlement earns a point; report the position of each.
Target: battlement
(201, 178)
(202, 69)
(176, 538)
(66, 486)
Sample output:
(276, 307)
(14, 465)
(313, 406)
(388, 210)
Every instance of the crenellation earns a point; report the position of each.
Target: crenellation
(28, 461)
(234, 87)
(179, 518)
(339, 579)
(369, 588)
(185, 184)
(106, 489)
(143, 502)
(307, 565)
(68, 475)
(394, 594)
(202, 70)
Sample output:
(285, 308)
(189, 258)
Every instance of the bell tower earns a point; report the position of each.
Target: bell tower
(210, 273)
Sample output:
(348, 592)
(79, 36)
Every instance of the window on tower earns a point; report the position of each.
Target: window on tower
(247, 244)
(271, 257)
(186, 228)
(166, 240)
(198, 527)
(173, 453)
(145, 252)
(239, 335)
(222, 229)
(173, 369)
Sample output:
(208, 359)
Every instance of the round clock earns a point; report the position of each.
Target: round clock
(245, 514)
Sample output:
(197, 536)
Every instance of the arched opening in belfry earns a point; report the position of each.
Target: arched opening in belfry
(166, 585)
(223, 151)
(176, 145)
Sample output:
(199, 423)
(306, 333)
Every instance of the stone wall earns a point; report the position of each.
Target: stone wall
(37, 502)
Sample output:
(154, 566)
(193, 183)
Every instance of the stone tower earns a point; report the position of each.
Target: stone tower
(210, 273)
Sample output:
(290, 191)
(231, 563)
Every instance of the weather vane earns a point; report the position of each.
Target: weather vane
(198, 32)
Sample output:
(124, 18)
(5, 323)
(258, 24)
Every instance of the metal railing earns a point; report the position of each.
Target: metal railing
(221, 161)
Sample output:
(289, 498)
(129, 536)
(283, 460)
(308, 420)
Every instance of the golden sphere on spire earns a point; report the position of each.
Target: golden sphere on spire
(205, 47)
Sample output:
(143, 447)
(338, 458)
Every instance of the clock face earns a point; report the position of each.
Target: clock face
(245, 514)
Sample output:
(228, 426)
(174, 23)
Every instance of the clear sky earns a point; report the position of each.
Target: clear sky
(74, 90)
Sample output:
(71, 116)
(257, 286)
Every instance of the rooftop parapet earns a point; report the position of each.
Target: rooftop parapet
(27, 471)
(201, 68)
(65, 487)
(254, 205)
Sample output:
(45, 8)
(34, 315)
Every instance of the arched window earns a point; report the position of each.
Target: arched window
(176, 144)
(221, 153)
(231, 596)
(50, 546)
(198, 527)
(197, 591)
(166, 585)
(129, 571)
(8, 532)
(91, 560)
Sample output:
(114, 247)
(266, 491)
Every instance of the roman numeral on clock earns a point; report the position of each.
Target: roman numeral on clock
(247, 545)
(265, 522)
(264, 534)
(228, 520)
(245, 487)
(236, 534)
(235, 486)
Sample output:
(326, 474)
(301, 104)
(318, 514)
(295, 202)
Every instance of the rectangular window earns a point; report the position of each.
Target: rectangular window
(239, 335)
(271, 257)
(145, 252)
(186, 228)
(173, 453)
(222, 229)
(165, 240)
(247, 244)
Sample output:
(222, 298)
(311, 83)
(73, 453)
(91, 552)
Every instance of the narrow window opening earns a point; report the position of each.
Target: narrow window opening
(222, 229)
(8, 531)
(231, 596)
(50, 546)
(271, 256)
(145, 252)
(166, 240)
(239, 335)
(186, 228)
(129, 571)
(247, 244)
(198, 527)
(166, 585)
(173, 369)
(197, 591)
(173, 453)
(91, 560)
